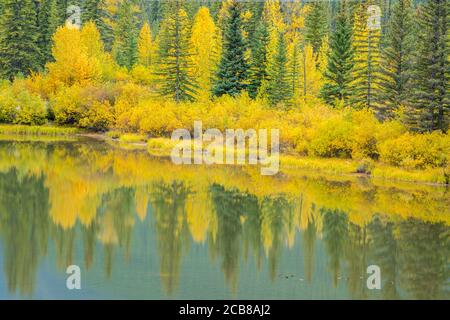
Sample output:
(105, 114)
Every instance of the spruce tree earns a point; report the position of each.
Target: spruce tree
(279, 89)
(174, 55)
(95, 10)
(19, 50)
(233, 68)
(316, 25)
(366, 71)
(396, 63)
(48, 21)
(258, 67)
(431, 94)
(125, 47)
(340, 61)
(62, 10)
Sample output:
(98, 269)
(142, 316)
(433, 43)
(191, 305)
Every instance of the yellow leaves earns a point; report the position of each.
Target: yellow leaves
(417, 150)
(73, 63)
(205, 52)
(146, 47)
(310, 76)
(272, 14)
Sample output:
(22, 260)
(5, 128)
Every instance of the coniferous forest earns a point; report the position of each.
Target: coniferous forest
(349, 79)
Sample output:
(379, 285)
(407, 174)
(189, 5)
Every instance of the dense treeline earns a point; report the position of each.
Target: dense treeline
(130, 59)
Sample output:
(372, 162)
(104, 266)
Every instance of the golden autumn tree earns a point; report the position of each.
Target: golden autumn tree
(146, 47)
(73, 62)
(205, 52)
(310, 79)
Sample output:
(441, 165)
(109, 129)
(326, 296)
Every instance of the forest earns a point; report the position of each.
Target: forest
(365, 80)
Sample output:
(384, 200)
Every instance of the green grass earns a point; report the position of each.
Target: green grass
(23, 130)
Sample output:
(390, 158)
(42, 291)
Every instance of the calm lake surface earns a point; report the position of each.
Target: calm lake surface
(141, 228)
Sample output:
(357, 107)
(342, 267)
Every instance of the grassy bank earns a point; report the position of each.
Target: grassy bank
(24, 130)
(291, 164)
(296, 164)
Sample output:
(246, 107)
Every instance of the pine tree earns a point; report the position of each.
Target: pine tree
(295, 54)
(174, 55)
(95, 10)
(316, 25)
(431, 103)
(205, 48)
(396, 63)
(62, 10)
(48, 21)
(258, 67)
(126, 35)
(19, 50)
(232, 75)
(340, 61)
(279, 90)
(366, 71)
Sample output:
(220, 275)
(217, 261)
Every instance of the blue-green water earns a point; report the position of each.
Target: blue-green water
(136, 235)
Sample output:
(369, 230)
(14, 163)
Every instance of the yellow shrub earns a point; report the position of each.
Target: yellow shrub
(332, 138)
(99, 116)
(162, 120)
(417, 150)
(21, 107)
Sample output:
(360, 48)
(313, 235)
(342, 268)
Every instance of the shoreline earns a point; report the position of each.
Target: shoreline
(290, 163)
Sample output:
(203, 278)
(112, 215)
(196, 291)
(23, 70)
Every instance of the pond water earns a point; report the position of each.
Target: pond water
(140, 227)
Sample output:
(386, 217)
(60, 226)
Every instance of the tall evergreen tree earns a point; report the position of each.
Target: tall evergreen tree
(95, 10)
(258, 67)
(125, 47)
(174, 54)
(48, 21)
(431, 103)
(232, 75)
(279, 89)
(316, 25)
(340, 61)
(19, 50)
(62, 10)
(396, 63)
(366, 70)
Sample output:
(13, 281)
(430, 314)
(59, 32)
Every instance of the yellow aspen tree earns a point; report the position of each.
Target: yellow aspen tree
(204, 52)
(310, 75)
(91, 39)
(72, 61)
(146, 47)
(322, 56)
(272, 14)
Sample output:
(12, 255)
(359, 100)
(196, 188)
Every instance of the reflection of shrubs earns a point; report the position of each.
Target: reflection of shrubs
(417, 150)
